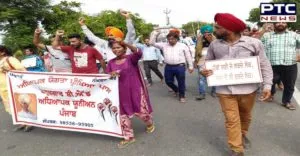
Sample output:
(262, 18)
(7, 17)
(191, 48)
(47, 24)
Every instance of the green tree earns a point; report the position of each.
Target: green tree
(63, 16)
(18, 18)
(254, 15)
(192, 27)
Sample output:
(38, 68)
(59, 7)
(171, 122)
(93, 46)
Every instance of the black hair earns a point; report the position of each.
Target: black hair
(5, 50)
(173, 34)
(88, 42)
(74, 36)
(30, 48)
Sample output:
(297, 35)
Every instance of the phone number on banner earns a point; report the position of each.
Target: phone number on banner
(71, 123)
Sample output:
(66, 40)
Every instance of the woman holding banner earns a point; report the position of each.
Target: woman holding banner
(134, 98)
(8, 63)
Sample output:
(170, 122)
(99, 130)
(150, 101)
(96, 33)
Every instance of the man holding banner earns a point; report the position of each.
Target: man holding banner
(237, 100)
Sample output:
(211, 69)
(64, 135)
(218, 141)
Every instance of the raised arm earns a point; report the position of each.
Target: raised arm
(262, 31)
(130, 35)
(55, 43)
(132, 48)
(36, 39)
(137, 40)
(90, 35)
(140, 46)
(153, 37)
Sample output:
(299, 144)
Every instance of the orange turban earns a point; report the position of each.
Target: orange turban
(175, 31)
(117, 33)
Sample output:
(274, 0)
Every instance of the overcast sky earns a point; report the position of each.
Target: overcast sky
(182, 11)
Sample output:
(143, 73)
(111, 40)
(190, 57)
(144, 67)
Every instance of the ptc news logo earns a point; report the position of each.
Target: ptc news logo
(278, 12)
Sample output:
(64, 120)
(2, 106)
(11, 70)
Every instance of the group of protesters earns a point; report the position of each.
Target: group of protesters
(120, 54)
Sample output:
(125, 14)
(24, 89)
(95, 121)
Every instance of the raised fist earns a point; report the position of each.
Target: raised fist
(81, 21)
(38, 31)
(125, 13)
(60, 33)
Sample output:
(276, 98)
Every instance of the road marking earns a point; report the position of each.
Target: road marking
(297, 96)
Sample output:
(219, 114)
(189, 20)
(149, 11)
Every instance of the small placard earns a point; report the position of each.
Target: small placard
(234, 71)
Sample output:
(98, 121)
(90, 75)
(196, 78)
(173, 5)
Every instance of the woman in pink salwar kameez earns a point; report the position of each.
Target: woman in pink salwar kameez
(134, 98)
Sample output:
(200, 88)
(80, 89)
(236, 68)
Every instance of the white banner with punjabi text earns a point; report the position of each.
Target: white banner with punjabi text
(71, 102)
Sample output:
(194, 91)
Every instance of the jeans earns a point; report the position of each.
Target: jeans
(203, 83)
(178, 71)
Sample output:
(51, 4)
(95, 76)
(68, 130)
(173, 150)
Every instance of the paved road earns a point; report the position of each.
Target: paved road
(191, 129)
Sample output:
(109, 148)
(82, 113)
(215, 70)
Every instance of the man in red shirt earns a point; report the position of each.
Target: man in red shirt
(82, 56)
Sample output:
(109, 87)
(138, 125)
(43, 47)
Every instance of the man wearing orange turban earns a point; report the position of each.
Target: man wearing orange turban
(112, 33)
(237, 101)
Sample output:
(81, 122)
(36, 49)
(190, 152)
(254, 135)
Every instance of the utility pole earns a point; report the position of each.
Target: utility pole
(167, 12)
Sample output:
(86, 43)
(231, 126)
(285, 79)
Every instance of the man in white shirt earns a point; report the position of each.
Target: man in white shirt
(111, 34)
(176, 56)
(151, 58)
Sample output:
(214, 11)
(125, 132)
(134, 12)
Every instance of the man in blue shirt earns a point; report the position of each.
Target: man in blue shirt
(151, 57)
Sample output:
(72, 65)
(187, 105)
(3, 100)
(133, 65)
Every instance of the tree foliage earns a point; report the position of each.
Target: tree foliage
(19, 18)
(255, 13)
(62, 16)
(192, 27)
